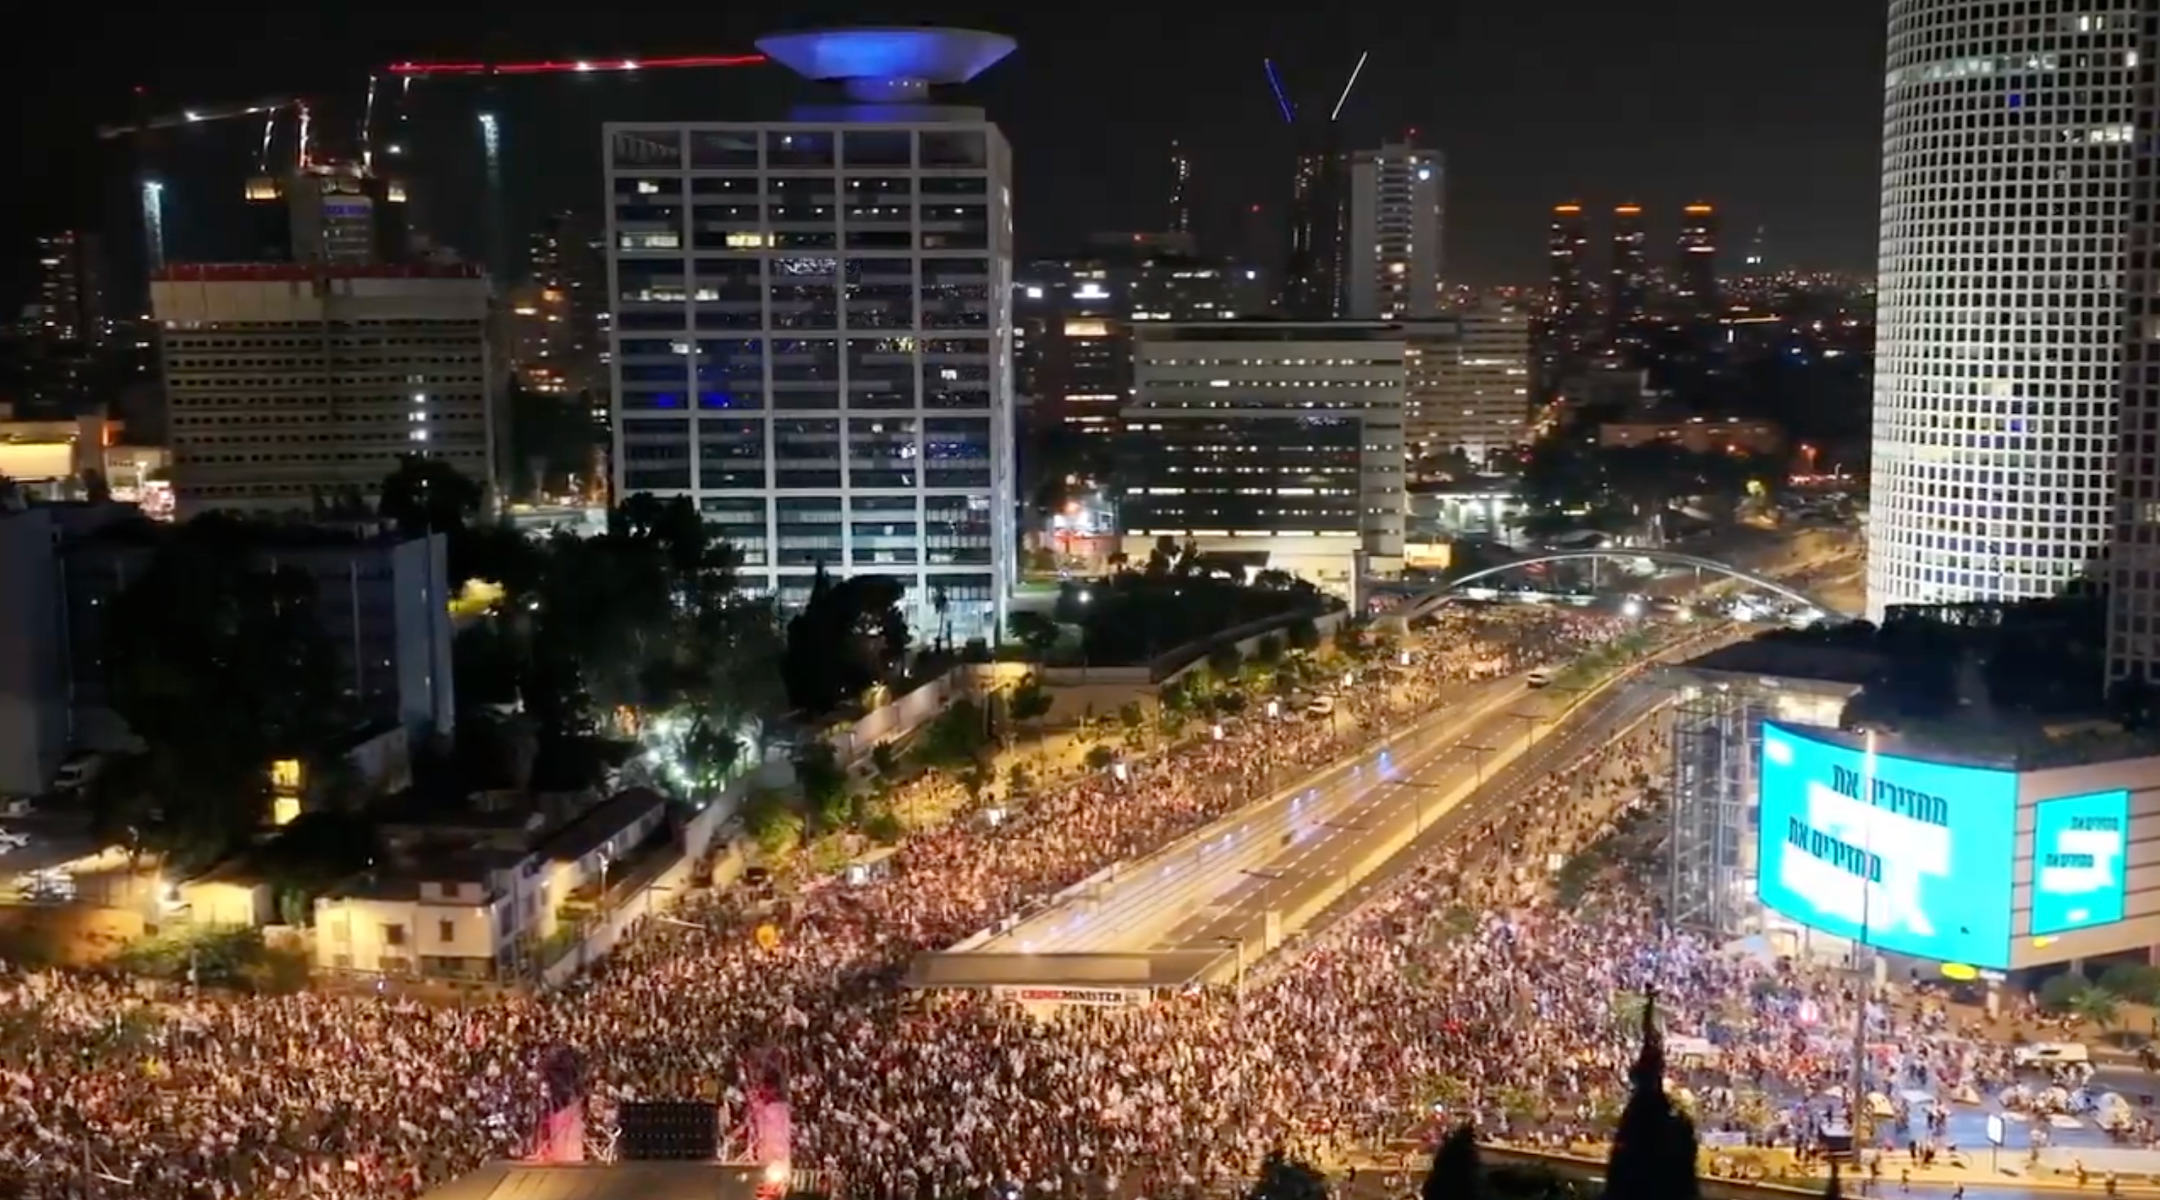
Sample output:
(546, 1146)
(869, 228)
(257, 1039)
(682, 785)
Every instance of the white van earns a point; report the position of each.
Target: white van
(77, 771)
(1540, 678)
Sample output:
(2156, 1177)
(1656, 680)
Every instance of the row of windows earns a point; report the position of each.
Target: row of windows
(798, 189)
(792, 148)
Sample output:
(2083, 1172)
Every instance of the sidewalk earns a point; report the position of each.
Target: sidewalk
(1895, 1176)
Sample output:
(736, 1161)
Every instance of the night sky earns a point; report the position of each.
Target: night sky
(1772, 112)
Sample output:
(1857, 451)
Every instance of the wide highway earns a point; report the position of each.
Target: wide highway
(1137, 903)
(1602, 719)
(1300, 854)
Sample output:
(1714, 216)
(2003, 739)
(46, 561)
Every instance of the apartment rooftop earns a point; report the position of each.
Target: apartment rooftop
(1270, 329)
(592, 830)
(2005, 685)
(308, 272)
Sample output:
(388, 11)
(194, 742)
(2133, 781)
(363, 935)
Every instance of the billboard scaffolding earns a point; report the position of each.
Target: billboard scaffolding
(1716, 744)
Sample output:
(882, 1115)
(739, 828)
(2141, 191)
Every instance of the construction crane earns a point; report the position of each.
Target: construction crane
(149, 126)
(488, 72)
(1313, 267)
(196, 116)
(577, 66)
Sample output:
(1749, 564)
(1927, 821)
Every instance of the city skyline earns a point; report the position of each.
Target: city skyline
(1475, 84)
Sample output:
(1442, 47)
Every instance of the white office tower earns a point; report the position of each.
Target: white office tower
(2006, 185)
(1392, 259)
(813, 325)
(1275, 443)
(2134, 586)
(300, 387)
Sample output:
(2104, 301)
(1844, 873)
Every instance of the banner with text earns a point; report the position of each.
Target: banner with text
(1909, 856)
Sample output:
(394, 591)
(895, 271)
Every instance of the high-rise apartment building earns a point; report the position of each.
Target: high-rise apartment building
(2134, 578)
(1570, 299)
(1628, 295)
(1074, 320)
(1391, 252)
(1180, 185)
(71, 289)
(1467, 383)
(560, 310)
(296, 386)
(2007, 152)
(1695, 277)
(1281, 440)
(1314, 267)
(813, 329)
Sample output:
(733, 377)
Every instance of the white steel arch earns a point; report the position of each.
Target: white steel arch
(1425, 602)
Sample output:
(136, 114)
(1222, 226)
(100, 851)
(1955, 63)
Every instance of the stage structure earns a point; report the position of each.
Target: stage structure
(1713, 783)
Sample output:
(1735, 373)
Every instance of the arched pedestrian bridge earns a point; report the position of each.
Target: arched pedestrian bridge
(1425, 602)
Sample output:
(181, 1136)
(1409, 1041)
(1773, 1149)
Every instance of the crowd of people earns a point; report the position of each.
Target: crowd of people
(1459, 973)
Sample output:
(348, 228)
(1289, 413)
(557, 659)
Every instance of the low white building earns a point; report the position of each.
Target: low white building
(482, 912)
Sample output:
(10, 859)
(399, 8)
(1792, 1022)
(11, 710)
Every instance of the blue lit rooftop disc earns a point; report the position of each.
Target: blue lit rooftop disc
(930, 56)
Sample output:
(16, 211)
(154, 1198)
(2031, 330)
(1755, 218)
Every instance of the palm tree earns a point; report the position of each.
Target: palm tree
(2097, 1005)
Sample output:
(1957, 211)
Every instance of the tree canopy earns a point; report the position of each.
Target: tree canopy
(216, 658)
(850, 636)
(1618, 487)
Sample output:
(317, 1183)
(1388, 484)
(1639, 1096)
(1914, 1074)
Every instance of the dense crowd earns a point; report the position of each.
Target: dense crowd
(332, 1096)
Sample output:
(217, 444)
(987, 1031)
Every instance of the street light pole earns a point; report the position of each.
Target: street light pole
(1861, 960)
(1481, 752)
(1530, 723)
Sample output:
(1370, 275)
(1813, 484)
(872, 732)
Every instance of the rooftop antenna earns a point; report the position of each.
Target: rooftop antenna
(1355, 71)
(1289, 114)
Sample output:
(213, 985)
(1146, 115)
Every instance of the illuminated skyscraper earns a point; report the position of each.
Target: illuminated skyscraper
(2007, 153)
(1629, 291)
(2134, 585)
(813, 325)
(1075, 318)
(1392, 248)
(1313, 270)
(1180, 180)
(71, 289)
(1695, 278)
(1569, 302)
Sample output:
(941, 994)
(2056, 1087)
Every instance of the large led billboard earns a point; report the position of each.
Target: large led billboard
(1909, 856)
(2078, 844)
